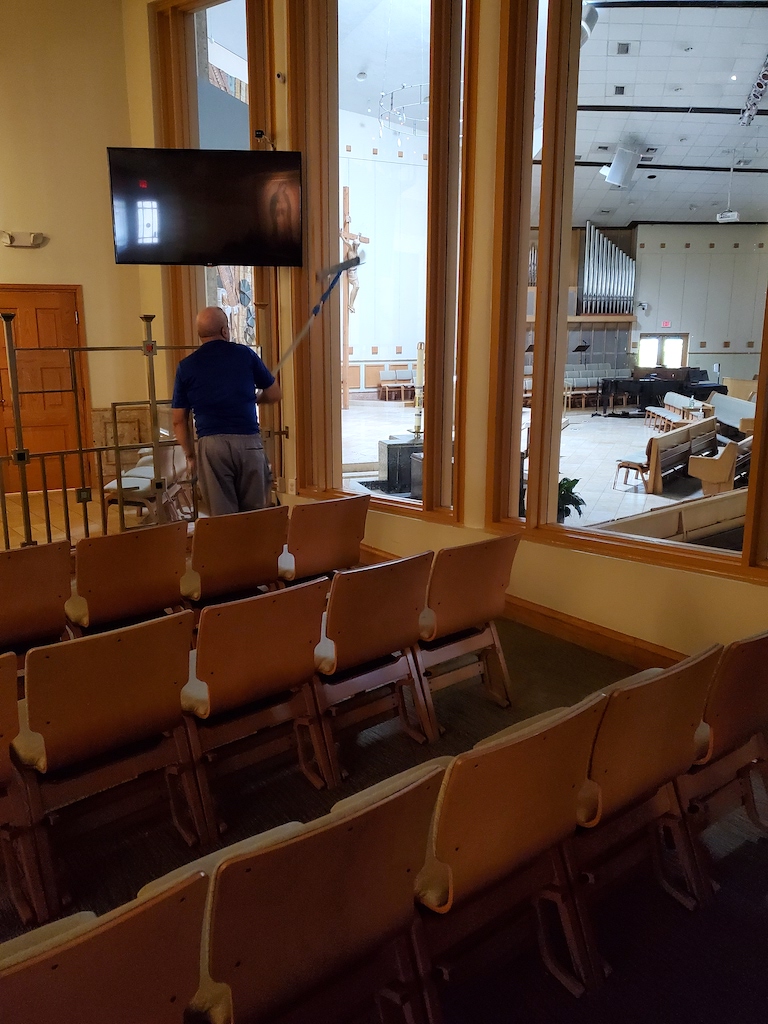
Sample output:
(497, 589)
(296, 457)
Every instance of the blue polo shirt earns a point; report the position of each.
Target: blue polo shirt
(218, 383)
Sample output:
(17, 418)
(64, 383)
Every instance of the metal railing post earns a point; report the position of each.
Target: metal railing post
(159, 484)
(20, 454)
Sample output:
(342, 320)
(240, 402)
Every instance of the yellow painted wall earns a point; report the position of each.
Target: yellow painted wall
(63, 100)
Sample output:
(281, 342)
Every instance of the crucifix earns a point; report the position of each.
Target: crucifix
(352, 243)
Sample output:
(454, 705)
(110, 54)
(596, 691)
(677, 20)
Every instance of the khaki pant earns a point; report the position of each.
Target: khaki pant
(234, 474)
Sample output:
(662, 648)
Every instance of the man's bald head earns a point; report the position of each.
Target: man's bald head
(212, 323)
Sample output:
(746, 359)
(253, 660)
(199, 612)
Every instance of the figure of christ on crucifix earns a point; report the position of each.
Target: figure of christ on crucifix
(352, 243)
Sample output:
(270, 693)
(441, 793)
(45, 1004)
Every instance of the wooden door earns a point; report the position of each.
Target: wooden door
(46, 318)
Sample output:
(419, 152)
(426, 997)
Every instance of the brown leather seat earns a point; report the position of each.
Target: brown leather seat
(252, 677)
(466, 592)
(137, 964)
(34, 582)
(129, 575)
(101, 711)
(365, 658)
(236, 554)
(324, 536)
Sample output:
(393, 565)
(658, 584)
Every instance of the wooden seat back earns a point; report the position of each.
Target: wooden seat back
(282, 631)
(737, 704)
(319, 902)
(34, 582)
(504, 804)
(467, 586)
(9, 715)
(126, 575)
(238, 552)
(326, 535)
(97, 693)
(374, 611)
(138, 964)
(647, 735)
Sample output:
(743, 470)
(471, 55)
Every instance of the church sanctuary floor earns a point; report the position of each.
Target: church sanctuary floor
(670, 966)
(590, 447)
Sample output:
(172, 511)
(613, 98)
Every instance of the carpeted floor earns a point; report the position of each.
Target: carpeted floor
(670, 965)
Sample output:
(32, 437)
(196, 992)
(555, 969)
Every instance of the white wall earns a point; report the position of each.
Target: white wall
(388, 204)
(713, 290)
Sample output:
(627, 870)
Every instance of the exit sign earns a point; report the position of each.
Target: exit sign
(666, 323)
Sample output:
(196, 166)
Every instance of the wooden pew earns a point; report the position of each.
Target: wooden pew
(734, 415)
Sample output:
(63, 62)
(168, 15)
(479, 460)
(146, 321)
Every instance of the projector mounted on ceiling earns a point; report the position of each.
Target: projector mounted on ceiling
(728, 217)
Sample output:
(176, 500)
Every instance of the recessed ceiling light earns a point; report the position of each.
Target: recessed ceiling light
(650, 176)
(361, 76)
(733, 78)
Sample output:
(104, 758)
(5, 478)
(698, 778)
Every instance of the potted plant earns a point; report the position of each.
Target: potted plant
(568, 499)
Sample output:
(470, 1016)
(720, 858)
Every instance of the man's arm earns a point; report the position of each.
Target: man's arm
(269, 395)
(184, 437)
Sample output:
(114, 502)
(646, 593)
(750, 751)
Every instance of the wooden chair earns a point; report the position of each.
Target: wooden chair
(34, 582)
(365, 659)
(18, 850)
(261, 689)
(324, 536)
(493, 848)
(101, 711)
(235, 554)
(732, 745)
(137, 964)
(315, 925)
(129, 575)
(466, 592)
(647, 737)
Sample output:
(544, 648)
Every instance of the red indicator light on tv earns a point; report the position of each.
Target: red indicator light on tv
(142, 183)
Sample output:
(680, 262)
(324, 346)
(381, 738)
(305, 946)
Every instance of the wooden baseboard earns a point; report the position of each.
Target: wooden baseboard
(630, 649)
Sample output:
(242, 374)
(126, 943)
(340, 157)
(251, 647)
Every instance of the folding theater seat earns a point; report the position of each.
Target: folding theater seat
(312, 922)
(251, 680)
(138, 964)
(324, 536)
(466, 592)
(126, 576)
(233, 556)
(101, 711)
(365, 659)
(34, 582)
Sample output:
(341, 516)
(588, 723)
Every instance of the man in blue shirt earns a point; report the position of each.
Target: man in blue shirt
(222, 382)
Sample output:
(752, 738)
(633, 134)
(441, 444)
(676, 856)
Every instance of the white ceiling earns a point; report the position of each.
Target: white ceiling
(679, 57)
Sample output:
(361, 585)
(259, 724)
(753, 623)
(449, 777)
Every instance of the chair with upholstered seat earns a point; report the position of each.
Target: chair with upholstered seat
(324, 536)
(34, 582)
(127, 576)
(733, 747)
(466, 592)
(138, 964)
(365, 660)
(260, 690)
(234, 555)
(101, 711)
(493, 848)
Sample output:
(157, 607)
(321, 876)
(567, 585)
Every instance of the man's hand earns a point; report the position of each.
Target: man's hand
(192, 467)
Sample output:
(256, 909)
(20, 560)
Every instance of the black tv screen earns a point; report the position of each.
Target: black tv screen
(206, 207)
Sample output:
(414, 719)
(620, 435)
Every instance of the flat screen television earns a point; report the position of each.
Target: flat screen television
(206, 207)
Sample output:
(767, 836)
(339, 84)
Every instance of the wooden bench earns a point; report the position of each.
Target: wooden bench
(669, 453)
(676, 411)
(732, 414)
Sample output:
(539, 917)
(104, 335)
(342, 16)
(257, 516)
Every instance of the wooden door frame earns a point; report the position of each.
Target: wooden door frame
(84, 398)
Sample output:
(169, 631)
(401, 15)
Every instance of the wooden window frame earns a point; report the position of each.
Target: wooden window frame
(313, 77)
(511, 243)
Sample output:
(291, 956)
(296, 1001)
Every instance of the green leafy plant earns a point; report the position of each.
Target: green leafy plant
(567, 499)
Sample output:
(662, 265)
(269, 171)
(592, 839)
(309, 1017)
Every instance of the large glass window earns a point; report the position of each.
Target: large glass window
(384, 146)
(668, 271)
